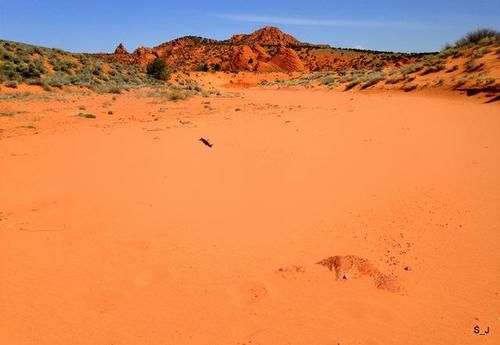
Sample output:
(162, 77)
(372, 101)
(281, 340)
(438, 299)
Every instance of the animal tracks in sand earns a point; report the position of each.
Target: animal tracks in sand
(346, 268)
(354, 267)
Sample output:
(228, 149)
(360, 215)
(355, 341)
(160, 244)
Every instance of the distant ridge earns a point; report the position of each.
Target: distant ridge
(266, 50)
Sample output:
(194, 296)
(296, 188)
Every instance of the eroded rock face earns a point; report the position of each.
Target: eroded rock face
(243, 59)
(144, 55)
(287, 60)
(262, 54)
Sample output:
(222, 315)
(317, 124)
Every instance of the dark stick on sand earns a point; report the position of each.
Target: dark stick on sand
(206, 142)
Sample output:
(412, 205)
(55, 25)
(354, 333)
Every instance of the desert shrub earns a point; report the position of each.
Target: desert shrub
(452, 69)
(114, 89)
(202, 68)
(11, 83)
(460, 83)
(480, 52)
(216, 67)
(87, 116)
(481, 36)
(395, 79)
(372, 79)
(412, 68)
(433, 69)
(440, 82)
(58, 80)
(61, 65)
(472, 66)
(352, 84)
(327, 79)
(158, 69)
(30, 71)
(97, 70)
(483, 81)
(447, 52)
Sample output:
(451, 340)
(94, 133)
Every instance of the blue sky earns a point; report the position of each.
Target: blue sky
(91, 25)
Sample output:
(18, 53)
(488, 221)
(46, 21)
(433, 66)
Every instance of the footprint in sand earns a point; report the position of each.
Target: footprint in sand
(247, 293)
(291, 272)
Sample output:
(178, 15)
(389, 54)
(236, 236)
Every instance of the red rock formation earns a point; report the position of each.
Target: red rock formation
(121, 49)
(268, 36)
(262, 54)
(265, 50)
(287, 60)
(243, 59)
(144, 55)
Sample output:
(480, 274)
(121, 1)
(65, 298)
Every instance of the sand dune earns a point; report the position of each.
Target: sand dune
(126, 229)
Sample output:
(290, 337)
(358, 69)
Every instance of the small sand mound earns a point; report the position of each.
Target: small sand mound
(353, 267)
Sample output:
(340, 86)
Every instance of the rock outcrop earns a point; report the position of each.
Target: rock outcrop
(268, 36)
(266, 50)
(121, 49)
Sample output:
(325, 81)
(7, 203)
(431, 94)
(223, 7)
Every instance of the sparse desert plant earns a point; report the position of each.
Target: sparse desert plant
(472, 66)
(413, 68)
(460, 83)
(395, 79)
(481, 36)
(327, 79)
(480, 52)
(484, 81)
(372, 79)
(114, 89)
(352, 84)
(202, 68)
(158, 69)
(433, 69)
(177, 95)
(86, 115)
(11, 84)
(447, 52)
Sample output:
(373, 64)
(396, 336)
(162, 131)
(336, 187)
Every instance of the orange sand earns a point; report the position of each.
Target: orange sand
(127, 230)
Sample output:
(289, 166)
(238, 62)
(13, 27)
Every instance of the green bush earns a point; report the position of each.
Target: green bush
(158, 69)
(481, 36)
(202, 68)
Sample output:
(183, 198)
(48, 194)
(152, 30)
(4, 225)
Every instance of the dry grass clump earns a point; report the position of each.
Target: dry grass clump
(372, 79)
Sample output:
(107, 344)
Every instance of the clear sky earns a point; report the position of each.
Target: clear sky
(99, 25)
